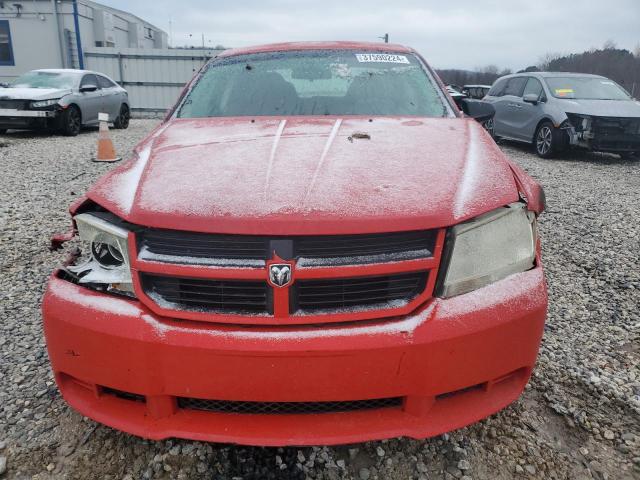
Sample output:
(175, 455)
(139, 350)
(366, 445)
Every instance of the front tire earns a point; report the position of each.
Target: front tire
(488, 126)
(546, 140)
(3, 131)
(122, 120)
(71, 121)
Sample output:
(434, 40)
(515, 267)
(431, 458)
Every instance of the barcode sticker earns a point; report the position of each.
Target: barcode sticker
(381, 58)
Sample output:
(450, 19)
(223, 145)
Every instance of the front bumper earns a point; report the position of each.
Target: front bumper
(615, 135)
(453, 362)
(29, 119)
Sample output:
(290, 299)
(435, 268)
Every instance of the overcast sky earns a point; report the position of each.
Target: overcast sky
(450, 34)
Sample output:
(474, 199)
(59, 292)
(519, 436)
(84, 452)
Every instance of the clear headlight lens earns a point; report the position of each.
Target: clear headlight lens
(108, 262)
(44, 103)
(490, 248)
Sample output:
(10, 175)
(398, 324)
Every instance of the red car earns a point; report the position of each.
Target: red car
(314, 247)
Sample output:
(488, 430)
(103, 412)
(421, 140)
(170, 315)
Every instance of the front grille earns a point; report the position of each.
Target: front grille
(287, 408)
(202, 294)
(357, 293)
(248, 250)
(14, 104)
(616, 126)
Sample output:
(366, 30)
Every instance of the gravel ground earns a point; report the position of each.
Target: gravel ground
(578, 418)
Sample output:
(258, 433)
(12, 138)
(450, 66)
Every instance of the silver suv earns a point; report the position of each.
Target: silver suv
(555, 111)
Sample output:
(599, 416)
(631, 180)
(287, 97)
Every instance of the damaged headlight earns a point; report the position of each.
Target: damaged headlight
(580, 123)
(489, 248)
(45, 103)
(107, 265)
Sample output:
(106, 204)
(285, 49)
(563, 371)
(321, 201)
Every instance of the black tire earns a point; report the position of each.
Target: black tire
(489, 127)
(546, 141)
(71, 121)
(629, 155)
(3, 131)
(122, 120)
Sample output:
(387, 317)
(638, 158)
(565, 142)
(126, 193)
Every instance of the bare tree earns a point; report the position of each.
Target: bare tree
(547, 59)
(609, 45)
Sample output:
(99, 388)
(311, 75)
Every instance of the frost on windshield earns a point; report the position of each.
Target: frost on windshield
(328, 82)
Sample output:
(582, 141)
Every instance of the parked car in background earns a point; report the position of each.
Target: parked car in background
(314, 247)
(63, 100)
(476, 91)
(554, 111)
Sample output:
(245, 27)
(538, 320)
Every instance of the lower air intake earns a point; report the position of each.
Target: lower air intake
(287, 408)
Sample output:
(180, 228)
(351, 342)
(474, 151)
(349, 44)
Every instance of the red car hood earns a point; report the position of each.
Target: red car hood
(304, 175)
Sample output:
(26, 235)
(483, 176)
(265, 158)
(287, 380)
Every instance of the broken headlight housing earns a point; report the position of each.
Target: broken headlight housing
(580, 123)
(489, 248)
(106, 266)
(45, 103)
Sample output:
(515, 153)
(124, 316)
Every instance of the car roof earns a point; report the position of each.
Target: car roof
(290, 46)
(566, 74)
(552, 74)
(68, 70)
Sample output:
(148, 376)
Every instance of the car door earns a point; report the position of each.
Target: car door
(90, 101)
(111, 97)
(496, 98)
(510, 111)
(526, 115)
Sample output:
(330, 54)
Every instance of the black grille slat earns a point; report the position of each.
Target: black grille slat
(203, 245)
(232, 296)
(287, 408)
(399, 289)
(312, 295)
(362, 245)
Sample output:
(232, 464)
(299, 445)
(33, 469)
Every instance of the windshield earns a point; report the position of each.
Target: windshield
(586, 88)
(325, 82)
(45, 80)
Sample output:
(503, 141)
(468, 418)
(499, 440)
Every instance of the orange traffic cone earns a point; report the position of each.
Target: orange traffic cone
(106, 152)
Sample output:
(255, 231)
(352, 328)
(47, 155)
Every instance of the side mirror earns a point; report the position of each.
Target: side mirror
(88, 88)
(531, 98)
(477, 109)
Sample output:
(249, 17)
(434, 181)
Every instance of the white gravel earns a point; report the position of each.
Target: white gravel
(579, 417)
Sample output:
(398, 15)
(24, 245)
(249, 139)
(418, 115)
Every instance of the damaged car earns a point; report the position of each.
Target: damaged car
(556, 111)
(314, 247)
(62, 100)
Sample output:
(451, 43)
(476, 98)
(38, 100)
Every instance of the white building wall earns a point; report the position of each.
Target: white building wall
(35, 45)
(34, 33)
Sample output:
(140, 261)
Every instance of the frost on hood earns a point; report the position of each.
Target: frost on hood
(218, 172)
(119, 188)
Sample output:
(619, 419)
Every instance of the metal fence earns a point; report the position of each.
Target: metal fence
(153, 78)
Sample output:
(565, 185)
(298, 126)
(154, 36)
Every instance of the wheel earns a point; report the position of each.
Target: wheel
(3, 131)
(629, 155)
(488, 126)
(122, 120)
(546, 140)
(71, 121)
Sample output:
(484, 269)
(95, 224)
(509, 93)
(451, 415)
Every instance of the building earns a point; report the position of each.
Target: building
(51, 33)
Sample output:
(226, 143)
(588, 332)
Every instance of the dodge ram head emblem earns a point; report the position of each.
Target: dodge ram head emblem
(280, 274)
